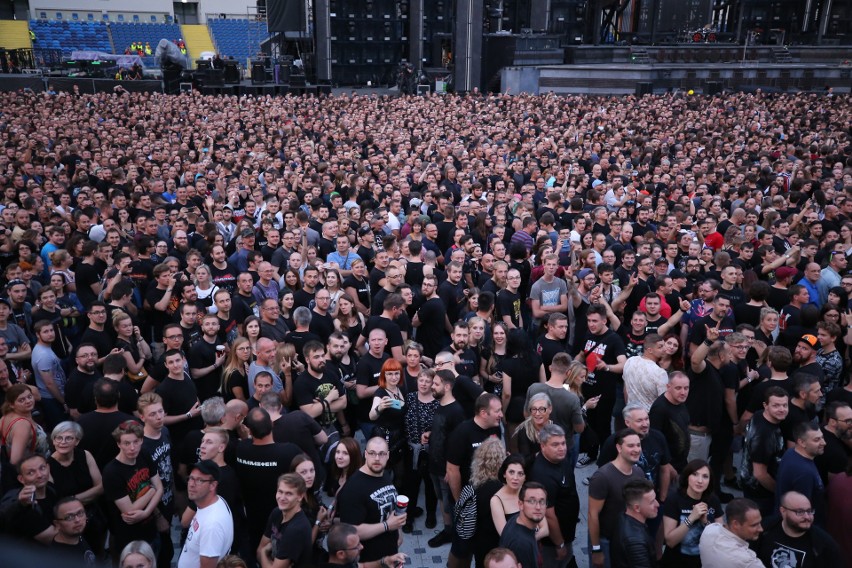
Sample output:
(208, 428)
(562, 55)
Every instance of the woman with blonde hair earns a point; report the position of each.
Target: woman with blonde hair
(484, 473)
(574, 379)
(205, 288)
(60, 263)
(235, 375)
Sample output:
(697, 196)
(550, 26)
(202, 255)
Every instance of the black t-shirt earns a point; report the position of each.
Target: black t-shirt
(158, 319)
(606, 485)
(463, 441)
(322, 325)
(815, 549)
(558, 480)
(834, 459)
(367, 374)
(97, 434)
(672, 420)
(763, 444)
(202, 355)
(755, 404)
(465, 391)
(607, 347)
(508, 304)
(298, 428)
(225, 278)
(432, 332)
(243, 307)
(547, 349)
(299, 339)
(453, 297)
(86, 275)
(699, 331)
(258, 469)
(362, 288)
(291, 540)
(102, 341)
(133, 481)
(370, 500)
(78, 390)
(307, 389)
(79, 554)
(444, 423)
(160, 452)
(390, 328)
(304, 298)
(521, 540)
(178, 397)
(747, 313)
(706, 398)
(735, 295)
(679, 506)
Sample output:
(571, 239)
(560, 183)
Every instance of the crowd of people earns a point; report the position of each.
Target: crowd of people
(275, 321)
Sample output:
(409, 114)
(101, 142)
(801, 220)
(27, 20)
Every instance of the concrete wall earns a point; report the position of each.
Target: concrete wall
(129, 7)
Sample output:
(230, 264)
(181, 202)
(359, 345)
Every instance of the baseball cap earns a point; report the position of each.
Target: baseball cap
(208, 467)
(810, 340)
(585, 272)
(364, 231)
(676, 274)
(247, 233)
(6, 301)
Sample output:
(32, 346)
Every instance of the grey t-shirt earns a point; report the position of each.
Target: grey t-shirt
(566, 408)
(44, 359)
(548, 293)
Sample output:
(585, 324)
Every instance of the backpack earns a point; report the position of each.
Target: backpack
(465, 513)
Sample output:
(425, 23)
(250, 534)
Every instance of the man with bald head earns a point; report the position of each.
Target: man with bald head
(811, 283)
(263, 362)
(791, 537)
(266, 287)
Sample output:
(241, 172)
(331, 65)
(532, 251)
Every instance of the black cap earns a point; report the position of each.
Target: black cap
(247, 233)
(364, 231)
(6, 301)
(208, 467)
(676, 274)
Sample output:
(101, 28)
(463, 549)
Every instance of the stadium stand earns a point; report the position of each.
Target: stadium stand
(71, 35)
(237, 38)
(124, 34)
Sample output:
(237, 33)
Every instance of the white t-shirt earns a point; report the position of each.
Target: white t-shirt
(211, 534)
(644, 380)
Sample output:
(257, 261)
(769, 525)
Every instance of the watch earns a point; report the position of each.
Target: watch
(561, 546)
(596, 548)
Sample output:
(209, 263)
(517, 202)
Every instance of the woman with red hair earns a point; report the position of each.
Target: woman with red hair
(388, 414)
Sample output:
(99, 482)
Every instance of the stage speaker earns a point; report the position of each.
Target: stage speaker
(258, 73)
(467, 45)
(644, 89)
(215, 78)
(202, 64)
(232, 72)
(322, 16)
(712, 87)
(285, 16)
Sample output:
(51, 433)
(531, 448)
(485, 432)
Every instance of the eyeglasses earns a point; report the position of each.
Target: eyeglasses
(536, 502)
(372, 454)
(539, 410)
(65, 438)
(191, 479)
(801, 512)
(98, 313)
(173, 336)
(74, 516)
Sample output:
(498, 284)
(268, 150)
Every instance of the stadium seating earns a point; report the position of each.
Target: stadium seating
(123, 34)
(237, 38)
(71, 35)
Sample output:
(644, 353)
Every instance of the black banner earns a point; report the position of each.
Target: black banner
(84, 85)
(285, 16)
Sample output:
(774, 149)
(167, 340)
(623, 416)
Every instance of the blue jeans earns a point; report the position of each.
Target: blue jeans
(604, 548)
(574, 454)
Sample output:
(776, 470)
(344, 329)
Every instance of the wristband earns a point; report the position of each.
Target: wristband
(385, 523)
(708, 343)
(189, 416)
(687, 522)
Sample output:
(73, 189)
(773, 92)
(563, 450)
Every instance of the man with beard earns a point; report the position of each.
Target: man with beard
(805, 357)
(837, 432)
(317, 391)
(81, 381)
(806, 395)
(519, 534)
(466, 361)
(431, 318)
(371, 498)
(222, 273)
(344, 550)
(792, 538)
(244, 303)
(343, 364)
